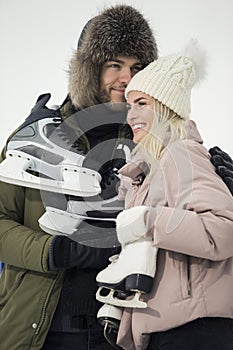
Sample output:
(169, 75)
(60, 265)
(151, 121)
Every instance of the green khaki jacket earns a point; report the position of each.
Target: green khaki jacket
(28, 291)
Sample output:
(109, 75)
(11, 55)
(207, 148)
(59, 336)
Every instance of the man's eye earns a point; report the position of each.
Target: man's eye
(136, 69)
(114, 65)
(128, 106)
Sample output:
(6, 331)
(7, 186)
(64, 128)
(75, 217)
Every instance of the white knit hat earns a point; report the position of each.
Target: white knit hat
(169, 80)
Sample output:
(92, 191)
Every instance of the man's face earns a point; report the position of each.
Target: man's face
(115, 76)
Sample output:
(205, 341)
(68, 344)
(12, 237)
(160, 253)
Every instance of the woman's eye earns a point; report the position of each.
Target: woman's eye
(128, 106)
(141, 104)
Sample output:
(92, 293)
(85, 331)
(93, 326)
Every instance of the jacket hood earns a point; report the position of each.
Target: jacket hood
(118, 30)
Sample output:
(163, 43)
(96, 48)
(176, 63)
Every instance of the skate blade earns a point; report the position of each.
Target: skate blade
(78, 181)
(110, 299)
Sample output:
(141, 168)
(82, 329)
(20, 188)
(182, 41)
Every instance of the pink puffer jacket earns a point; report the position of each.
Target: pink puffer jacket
(191, 220)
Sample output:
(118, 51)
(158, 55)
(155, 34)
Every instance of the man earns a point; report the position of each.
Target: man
(47, 289)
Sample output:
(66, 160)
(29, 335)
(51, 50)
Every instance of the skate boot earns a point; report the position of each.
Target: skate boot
(102, 207)
(109, 316)
(133, 270)
(39, 156)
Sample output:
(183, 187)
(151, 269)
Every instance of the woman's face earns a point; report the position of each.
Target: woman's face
(140, 114)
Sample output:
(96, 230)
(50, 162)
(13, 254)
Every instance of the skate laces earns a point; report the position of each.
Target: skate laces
(65, 137)
(108, 178)
(113, 259)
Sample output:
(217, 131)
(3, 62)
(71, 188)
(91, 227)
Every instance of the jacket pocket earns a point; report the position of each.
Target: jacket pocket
(185, 277)
(182, 264)
(12, 277)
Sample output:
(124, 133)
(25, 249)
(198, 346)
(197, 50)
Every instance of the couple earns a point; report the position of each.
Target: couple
(48, 285)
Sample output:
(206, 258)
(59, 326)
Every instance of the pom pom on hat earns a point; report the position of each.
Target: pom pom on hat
(198, 57)
(170, 79)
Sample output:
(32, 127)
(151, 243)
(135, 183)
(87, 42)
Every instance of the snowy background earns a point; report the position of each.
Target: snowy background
(37, 38)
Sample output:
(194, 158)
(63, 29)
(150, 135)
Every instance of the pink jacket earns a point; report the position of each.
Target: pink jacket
(191, 220)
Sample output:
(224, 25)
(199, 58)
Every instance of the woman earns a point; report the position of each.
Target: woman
(176, 200)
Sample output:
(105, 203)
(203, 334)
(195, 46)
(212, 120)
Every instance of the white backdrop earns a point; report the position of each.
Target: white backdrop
(37, 38)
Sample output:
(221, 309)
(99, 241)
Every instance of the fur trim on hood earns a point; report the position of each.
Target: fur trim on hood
(118, 30)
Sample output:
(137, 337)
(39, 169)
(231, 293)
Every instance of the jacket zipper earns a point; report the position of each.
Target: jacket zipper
(44, 308)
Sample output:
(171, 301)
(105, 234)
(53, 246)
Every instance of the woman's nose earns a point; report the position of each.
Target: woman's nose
(132, 114)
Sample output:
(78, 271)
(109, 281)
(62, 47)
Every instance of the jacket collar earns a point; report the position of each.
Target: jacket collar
(192, 132)
(136, 169)
(137, 166)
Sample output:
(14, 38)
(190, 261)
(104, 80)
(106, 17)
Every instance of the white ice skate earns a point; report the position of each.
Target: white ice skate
(66, 221)
(132, 270)
(56, 221)
(60, 169)
(102, 207)
(109, 316)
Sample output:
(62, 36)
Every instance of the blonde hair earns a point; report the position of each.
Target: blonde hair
(167, 127)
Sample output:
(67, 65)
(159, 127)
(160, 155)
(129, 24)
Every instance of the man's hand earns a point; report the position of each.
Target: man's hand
(65, 253)
(40, 110)
(223, 166)
(131, 224)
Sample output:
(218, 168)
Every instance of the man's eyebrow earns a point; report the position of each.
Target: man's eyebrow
(123, 62)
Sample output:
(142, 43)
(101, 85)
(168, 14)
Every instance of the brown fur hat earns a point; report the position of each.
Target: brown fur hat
(118, 30)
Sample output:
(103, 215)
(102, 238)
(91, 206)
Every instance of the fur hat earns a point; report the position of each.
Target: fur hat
(118, 30)
(170, 79)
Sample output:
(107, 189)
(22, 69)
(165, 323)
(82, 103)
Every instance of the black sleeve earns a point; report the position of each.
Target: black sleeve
(66, 253)
(223, 166)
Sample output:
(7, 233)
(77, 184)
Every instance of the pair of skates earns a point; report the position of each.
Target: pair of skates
(123, 282)
(44, 154)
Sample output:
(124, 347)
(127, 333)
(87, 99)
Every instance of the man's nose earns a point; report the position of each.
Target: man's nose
(125, 75)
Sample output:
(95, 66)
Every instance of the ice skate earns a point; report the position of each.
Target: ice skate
(38, 148)
(109, 316)
(102, 207)
(132, 271)
(56, 221)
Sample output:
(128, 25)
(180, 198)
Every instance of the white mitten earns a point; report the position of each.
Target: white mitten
(131, 224)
